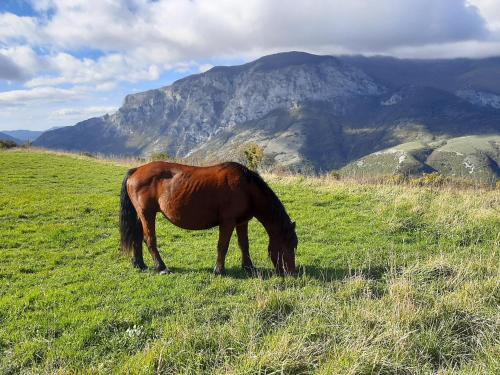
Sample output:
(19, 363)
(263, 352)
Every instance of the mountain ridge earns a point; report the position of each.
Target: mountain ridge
(304, 109)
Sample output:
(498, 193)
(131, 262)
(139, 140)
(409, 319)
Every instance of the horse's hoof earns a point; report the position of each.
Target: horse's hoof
(166, 271)
(140, 266)
(219, 271)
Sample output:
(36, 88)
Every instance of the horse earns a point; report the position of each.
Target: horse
(226, 195)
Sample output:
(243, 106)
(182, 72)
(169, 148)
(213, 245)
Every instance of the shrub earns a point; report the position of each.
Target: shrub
(429, 179)
(156, 156)
(253, 154)
(335, 175)
(396, 179)
(7, 144)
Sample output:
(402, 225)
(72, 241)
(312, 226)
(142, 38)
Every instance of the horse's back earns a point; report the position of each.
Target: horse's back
(194, 197)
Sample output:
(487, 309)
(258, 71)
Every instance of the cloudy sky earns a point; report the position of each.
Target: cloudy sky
(62, 61)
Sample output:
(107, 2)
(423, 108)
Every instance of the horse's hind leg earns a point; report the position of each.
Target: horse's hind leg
(225, 232)
(138, 260)
(246, 261)
(148, 225)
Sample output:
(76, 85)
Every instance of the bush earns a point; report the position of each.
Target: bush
(157, 156)
(430, 179)
(7, 144)
(396, 179)
(335, 175)
(253, 154)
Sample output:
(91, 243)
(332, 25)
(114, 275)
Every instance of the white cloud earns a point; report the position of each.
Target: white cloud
(139, 39)
(71, 113)
(45, 94)
(490, 10)
(204, 67)
(475, 49)
(15, 28)
(170, 31)
(27, 62)
(64, 68)
(9, 71)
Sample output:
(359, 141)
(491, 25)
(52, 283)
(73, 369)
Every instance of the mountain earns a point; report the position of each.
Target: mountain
(320, 112)
(23, 135)
(6, 137)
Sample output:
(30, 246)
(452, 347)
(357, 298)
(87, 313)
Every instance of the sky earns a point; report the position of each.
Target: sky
(63, 61)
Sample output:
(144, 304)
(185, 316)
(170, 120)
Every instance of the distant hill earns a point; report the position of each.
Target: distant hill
(23, 135)
(6, 137)
(319, 112)
(475, 157)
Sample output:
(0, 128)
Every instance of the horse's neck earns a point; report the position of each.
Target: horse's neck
(269, 216)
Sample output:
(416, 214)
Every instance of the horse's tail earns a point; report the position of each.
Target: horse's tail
(130, 227)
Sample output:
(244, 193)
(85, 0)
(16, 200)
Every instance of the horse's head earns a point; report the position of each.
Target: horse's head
(282, 251)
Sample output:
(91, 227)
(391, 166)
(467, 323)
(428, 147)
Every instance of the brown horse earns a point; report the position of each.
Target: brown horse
(227, 195)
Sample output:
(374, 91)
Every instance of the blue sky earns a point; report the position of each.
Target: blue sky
(62, 61)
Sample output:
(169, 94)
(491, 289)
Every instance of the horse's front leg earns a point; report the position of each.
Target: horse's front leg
(246, 261)
(225, 232)
(148, 226)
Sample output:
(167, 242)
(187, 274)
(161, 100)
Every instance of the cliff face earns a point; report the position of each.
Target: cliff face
(304, 109)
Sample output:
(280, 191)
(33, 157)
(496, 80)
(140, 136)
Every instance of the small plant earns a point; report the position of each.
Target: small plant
(253, 154)
(157, 156)
(335, 175)
(4, 144)
(396, 179)
(429, 179)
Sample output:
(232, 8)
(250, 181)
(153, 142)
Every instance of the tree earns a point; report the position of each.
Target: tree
(7, 144)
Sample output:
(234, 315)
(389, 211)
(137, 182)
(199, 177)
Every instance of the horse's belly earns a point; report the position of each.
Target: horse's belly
(195, 215)
(192, 223)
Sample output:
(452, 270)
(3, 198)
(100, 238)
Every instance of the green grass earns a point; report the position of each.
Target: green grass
(395, 280)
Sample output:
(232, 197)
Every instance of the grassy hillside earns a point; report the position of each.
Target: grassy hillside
(395, 280)
(473, 158)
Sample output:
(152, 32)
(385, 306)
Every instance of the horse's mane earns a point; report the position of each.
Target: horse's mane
(277, 209)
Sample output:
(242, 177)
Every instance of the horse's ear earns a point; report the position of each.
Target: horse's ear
(293, 225)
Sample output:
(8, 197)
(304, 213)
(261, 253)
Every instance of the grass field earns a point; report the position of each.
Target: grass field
(394, 280)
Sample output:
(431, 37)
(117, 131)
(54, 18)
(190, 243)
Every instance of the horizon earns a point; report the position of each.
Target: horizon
(62, 62)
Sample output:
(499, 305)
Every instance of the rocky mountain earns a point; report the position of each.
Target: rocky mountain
(321, 112)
